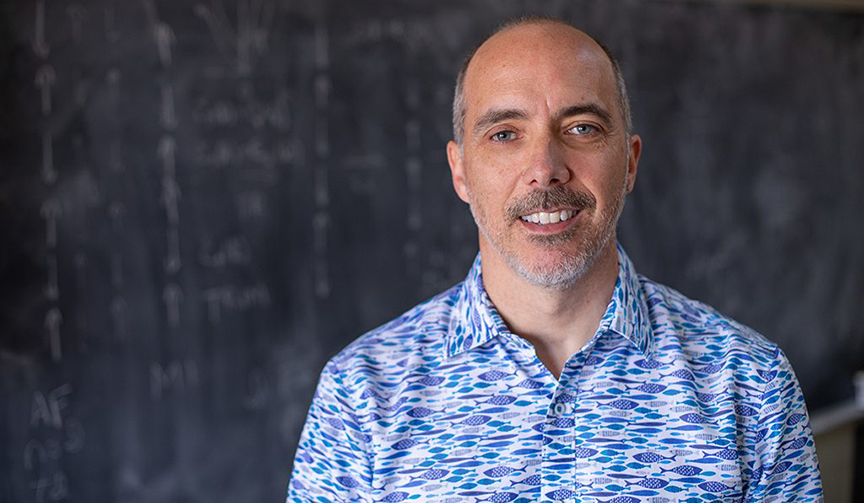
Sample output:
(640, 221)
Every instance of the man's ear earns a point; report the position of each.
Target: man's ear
(633, 161)
(457, 170)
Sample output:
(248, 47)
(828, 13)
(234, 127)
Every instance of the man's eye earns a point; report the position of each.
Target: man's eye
(582, 129)
(503, 136)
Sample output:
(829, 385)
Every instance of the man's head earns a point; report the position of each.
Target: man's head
(542, 130)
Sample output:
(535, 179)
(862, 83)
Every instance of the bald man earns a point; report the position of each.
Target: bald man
(554, 372)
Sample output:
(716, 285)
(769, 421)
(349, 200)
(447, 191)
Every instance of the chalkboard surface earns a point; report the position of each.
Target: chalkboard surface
(201, 201)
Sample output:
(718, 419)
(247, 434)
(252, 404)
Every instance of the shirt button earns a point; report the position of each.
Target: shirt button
(561, 409)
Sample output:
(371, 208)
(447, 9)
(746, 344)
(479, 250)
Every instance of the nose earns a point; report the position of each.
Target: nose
(546, 164)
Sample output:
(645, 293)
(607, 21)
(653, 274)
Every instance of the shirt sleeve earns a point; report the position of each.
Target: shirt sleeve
(332, 462)
(786, 465)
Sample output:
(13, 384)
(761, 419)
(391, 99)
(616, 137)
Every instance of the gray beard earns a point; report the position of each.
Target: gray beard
(570, 270)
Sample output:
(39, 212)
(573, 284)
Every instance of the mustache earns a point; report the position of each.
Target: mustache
(544, 200)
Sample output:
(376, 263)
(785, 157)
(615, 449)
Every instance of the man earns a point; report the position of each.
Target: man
(554, 372)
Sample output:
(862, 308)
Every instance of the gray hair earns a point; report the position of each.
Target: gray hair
(459, 97)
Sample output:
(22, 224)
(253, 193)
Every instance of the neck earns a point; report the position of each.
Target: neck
(556, 322)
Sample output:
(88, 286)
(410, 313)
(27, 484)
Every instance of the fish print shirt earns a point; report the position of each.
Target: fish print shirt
(670, 401)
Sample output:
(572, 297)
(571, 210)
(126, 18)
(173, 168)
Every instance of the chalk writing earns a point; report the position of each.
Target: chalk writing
(46, 410)
(246, 42)
(40, 45)
(50, 211)
(164, 39)
(166, 151)
(227, 153)
(233, 298)
(37, 453)
(118, 310)
(52, 488)
(45, 79)
(52, 289)
(172, 262)
(49, 175)
(254, 112)
(172, 296)
(320, 222)
(111, 33)
(77, 14)
(252, 205)
(176, 375)
(231, 251)
(53, 319)
(168, 117)
(170, 197)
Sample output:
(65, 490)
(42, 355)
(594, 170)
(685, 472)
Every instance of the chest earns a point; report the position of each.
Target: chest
(504, 430)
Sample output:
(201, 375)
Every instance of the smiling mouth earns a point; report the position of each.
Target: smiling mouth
(552, 217)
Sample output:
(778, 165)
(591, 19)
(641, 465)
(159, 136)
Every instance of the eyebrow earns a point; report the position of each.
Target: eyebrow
(497, 115)
(586, 109)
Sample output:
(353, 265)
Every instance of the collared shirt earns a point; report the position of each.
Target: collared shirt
(669, 401)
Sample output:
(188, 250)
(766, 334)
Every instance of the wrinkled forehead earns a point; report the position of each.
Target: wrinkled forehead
(548, 59)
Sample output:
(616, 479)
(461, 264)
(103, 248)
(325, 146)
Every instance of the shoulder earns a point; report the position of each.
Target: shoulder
(702, 331)
(416, 337)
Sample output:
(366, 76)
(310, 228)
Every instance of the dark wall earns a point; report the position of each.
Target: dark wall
(200, 202)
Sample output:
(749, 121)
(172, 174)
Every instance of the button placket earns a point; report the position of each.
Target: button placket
(559, 461)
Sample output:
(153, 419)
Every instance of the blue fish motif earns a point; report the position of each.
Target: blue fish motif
(624, 404)
(593, 360)
(431, 380)
(652, 388)
(727, 454)
(714, 486)
(336, 423)
(683, 374)
(503, 497)
(651, 457)
(795, 419)
(501, 400)
(561, 494)
(446, 405)
(683, 470)
(647, 364)
(745, 410)
(499, 471)
(531, 480)
(492, 375)
(347, 482)
(711, 369)
(693, 418)
(405, 443)
(476, 420)
(584, 452)
(530, 384)
(706, 397)
(650, 483)
(622, 499)
(420, 412)
(781, 467)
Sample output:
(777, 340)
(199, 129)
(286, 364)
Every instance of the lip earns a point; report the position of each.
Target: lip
(551, 228)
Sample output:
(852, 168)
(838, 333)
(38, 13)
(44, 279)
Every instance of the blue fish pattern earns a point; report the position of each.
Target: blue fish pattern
(670, 401)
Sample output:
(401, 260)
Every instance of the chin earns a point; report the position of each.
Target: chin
(554, 268)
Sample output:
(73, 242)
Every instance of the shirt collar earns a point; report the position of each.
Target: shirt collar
(475, 320)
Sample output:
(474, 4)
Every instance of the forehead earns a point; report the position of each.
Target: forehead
(543, 65)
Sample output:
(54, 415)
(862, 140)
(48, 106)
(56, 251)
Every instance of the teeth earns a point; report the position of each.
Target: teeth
(542, 217)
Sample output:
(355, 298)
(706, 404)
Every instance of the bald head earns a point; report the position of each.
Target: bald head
(536, 37)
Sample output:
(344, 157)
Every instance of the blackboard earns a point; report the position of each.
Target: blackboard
(201, 201)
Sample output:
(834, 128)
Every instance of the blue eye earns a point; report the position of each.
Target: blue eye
(503, 136)
(583, 129)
